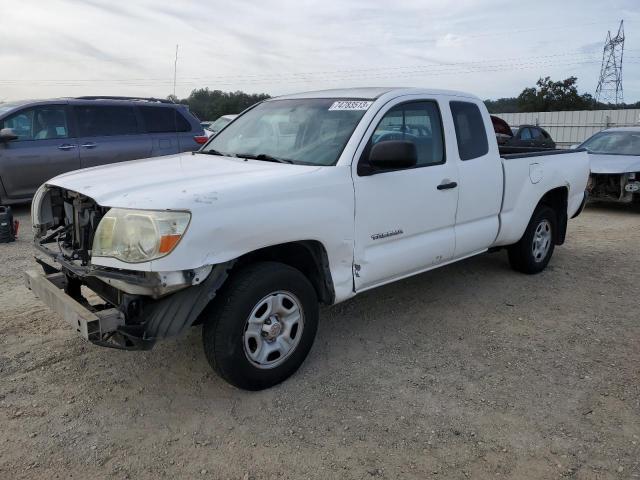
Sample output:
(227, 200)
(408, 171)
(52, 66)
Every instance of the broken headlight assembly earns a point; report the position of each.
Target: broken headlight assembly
(136, 236)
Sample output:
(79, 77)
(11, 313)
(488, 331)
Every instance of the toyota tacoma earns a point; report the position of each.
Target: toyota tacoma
(303, 199)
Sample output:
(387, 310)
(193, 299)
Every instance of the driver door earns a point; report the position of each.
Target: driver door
(405, 219)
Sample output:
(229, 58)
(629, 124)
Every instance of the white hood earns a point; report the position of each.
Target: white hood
(179, 181)
(614, 163)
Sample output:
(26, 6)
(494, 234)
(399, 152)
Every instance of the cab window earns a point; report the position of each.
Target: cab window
(417, 122)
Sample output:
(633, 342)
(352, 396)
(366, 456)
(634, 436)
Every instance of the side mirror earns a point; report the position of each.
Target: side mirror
(393, 154)
(7, 134)
(574, 146)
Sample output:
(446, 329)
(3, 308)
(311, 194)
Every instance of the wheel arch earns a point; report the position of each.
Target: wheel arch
(308, 256)
(557, 199)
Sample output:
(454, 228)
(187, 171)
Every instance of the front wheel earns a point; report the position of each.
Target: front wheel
(262, 327)
(533, 252)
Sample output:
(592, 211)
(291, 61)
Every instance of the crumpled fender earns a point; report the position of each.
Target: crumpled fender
(174, 314)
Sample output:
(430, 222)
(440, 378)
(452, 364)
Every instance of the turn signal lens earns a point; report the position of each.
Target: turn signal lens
(168, 242)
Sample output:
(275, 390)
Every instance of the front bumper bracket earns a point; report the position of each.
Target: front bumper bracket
(89, 324)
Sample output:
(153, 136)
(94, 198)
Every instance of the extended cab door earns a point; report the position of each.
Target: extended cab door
(404, 220)
(109, 134)
(45, 148)
(480, 177)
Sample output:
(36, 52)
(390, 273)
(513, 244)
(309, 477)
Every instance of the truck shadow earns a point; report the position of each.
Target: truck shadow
(604, 207)
(432, 308)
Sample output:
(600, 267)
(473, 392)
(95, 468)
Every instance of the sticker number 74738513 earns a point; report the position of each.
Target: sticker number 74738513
(350, 105)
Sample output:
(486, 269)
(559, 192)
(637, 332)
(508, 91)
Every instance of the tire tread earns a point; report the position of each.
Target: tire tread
(520, 256)
(222, 314)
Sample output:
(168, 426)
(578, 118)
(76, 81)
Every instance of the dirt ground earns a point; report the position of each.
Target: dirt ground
(470, 371)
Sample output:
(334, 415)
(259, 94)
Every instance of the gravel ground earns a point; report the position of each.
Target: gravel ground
(470, 371)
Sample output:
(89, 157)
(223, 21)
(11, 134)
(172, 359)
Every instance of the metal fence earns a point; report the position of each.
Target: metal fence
(568, 128)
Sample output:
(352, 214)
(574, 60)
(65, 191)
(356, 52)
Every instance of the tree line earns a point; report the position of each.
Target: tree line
(210, 104)
(550, 96)
(545, 96)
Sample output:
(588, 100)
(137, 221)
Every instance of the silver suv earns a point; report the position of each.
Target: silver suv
(42, 139)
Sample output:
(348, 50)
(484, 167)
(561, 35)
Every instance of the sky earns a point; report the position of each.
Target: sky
(491, 48)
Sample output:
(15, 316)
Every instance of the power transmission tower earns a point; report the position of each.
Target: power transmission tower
(609, 89)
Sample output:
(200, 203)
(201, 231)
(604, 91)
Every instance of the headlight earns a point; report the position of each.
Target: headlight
(138, 235)
(41, 214)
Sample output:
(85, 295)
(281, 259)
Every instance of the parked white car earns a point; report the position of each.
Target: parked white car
(303, 199)
(614, 156)
(219, 124)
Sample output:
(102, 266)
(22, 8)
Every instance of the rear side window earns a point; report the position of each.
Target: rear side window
(525, 134)
(470, 130)
(536, 133)
(105, 120)
(164, 120)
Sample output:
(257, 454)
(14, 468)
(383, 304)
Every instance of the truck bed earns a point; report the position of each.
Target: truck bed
(528, 177)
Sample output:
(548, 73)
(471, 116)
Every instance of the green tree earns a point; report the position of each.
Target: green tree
(548, 96)
(210, 104)
(502, 105)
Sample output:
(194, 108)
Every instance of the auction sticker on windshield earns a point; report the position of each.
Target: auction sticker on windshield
(350, 105)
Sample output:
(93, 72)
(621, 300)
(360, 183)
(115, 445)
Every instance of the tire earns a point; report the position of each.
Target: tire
(534, 250)
(252, 337)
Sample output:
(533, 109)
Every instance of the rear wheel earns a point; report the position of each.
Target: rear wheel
(534, 250)
(262, 327)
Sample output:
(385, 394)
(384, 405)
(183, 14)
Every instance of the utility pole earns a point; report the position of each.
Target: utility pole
(609, 89)
(175, 72)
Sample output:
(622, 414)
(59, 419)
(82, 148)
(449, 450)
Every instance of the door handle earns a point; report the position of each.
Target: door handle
(89, 145)
(447, 186)
(66, 146)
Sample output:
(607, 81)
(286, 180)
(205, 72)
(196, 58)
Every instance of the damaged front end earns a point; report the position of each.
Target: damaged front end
(114, 307)
(618, 187)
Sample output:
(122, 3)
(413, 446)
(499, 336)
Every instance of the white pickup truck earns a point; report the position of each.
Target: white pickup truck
(302, 199)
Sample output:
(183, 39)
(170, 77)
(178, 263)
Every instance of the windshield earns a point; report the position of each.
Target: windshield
(614, 143)
(311, 131)
(218, 124)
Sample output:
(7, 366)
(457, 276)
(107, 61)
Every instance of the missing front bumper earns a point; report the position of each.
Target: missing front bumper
(109, 327)
(92, 325)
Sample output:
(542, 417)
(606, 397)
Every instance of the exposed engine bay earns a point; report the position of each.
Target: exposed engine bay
(145, 305)
(619, 187)
(67, 222)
